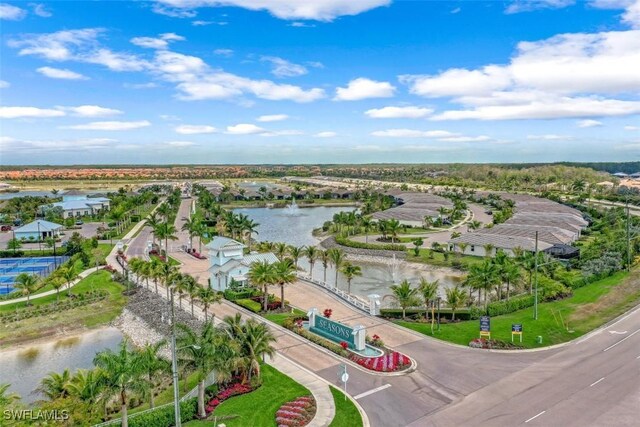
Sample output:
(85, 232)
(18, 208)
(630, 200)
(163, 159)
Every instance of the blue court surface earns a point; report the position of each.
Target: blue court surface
(10, 268)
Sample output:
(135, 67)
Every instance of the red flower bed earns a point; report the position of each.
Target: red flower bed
(297, 413)
(197, 255)
(389, 362)
(327, 313)
(233, 390)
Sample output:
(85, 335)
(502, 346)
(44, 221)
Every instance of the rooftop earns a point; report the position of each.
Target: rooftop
(38, 226)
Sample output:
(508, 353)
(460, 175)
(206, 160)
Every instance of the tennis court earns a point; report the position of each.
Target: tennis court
(10, 268)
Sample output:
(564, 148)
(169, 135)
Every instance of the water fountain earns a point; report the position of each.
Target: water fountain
(394, 268)
(292, 209)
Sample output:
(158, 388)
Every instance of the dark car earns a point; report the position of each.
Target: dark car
(79, 222)
(5, 228)
(488, 212)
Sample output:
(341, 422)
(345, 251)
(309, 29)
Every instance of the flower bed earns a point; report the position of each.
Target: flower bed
(235, 389)
(390, 362)
(493, 344)
(297, 413)
(196, 254)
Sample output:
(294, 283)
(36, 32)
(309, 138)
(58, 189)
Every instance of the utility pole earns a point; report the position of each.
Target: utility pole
(535, 279)
(174, 366)
(628, 237)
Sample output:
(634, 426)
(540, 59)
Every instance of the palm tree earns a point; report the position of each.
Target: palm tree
(167, 232)
(192, 288)
(483, 276)
(191, 225)
(152, 222)
(55, 386)
(488, 250)
(528, 262)
(456, 298)
(152, 366)
(312, 253)
(262, 274)
(124, 375)
(285, 273)
(167, 273)
(206, 351)
(336, 255)
(27, 284)
(87, 385)
(325, 259)
(180, 287)
(510, 273)
(6, 398)
(208, 297)
(463, 247)
(57, 283)
(393, 226)
(164, 210)
(366, 223)
(296, 253)
(250, 227)
(429, 291)
(350, 271)
(254, 340)
(281, 250)
(405, 296)
(155, 266)
(473, 225)
(69, 275)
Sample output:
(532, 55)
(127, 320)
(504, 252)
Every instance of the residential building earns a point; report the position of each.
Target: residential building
(38, 230)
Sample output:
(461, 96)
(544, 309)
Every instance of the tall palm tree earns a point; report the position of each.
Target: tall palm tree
(336, 255)
(152, 222)
(366, 223)
(312, 253)
(483, 277)
(281, 250)
(153, 366)
(192, 288)
(488, 250)
(166, 232)
(262, 274)
(124, 375)
(205, 352)
(180, 287)
(456, 298)
(350, 271)
(208, 297)
(528, 262)
(167, 273)
(87, 385)
(69, 275)
(429, 292)
(57, 283)
(296, 253)
(285, 273)
(325, 259)
(165, 210)
(510, 274)
(55, 386)
(254, 340)
(393, 226)
(250, 227)
(405, 296)
(155, 273)
(191, 226)
(27, 284)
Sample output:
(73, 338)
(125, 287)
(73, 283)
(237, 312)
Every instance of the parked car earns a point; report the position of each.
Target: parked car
(488, 212)
(79, 222)
(5, 228)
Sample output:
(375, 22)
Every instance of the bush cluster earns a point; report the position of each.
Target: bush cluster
(498, 308)
(164, 416)
(79, 300)
(233, 295)
(341, 240)
(249, 305)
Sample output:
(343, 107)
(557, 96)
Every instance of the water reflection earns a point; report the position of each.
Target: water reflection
(24, 369)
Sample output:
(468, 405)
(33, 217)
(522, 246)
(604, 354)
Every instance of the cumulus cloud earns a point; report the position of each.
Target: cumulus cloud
(110, 126)
(28, 112)
(549, 137)
(180, 144)
(285, 132)
(632, 128)
(518, 6)
(40, 10)
(91, 111)
(283, 68)
(59, 73)
(11, 13)
(272, 118)
(325, 134)
(244, 129)
(399, 112)
(161, 42)
(363, 88)
(588, 123)
(194, 129)
(318, 10)
(565, 76)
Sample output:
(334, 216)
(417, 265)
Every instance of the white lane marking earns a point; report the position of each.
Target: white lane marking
(535, 416)
(623, 339)
(618, 333)
(375, 390)
(638, 357)
(596, 382)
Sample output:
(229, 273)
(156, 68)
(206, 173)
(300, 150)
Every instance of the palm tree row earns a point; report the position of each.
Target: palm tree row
(263, 274)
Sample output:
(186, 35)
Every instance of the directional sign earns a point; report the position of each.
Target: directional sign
(516, 328)
(485, 324)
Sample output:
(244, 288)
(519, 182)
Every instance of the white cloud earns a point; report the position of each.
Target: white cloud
(11, 13)
(173, 12)
(59, 73)
(272, 118)
(28, 112)
(588, 123)
(399, 112)
(456, 10)
(149, 85)
(91, 111)
(299, 24)
(319, 10)
(180, 144)
(109, 126)
(286, 132)
(480, 138)
(149, 42)
(518, 6)
(325, 134)
(244, 129)
(283, 68)
(549, 137)
(412, 133)
(39, 146)
(194, 129)
(459, 82)
(171, 37)
(224, 52)
(4, 84)
(363, 88)
(116, 61)
(41, 11)
(632, 128)
(200, 23)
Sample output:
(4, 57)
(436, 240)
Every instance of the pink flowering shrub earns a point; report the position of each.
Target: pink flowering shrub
(235, 389)
(297, 413)
(389, 362)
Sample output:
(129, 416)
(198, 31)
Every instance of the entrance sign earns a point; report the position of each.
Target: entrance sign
(516, 329)
(326, 326)
(485, 326)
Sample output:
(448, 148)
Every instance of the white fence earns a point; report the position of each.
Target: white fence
(353, 300)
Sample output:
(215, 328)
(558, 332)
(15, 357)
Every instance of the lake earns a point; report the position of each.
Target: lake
(25, 367)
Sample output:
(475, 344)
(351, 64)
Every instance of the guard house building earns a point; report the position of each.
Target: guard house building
(228, 262)
(38, 230)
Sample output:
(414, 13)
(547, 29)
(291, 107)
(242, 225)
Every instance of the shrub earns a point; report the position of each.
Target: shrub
(341, 240)
(327, 313)
(498, 308)
(164, 416)
(249, 305)
(445, 313)
(233, 295)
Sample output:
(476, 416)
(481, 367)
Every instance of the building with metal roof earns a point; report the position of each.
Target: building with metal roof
(38, 230)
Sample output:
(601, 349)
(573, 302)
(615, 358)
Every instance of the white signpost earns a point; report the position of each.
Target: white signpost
(344, 377)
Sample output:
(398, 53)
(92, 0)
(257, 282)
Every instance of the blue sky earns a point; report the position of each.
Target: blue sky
(320, 81)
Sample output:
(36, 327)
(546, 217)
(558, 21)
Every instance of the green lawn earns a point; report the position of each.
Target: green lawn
(258, 408)
(281, 317)
(589, 307)
(347, 415)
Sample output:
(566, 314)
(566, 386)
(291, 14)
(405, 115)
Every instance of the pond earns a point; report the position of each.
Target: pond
(25, 367)
(292, 225)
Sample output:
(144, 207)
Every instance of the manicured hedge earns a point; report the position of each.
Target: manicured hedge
(249, 305)
(164, 416)
(498, 308)
(232, 295)
(396, 313)
(360, 245)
